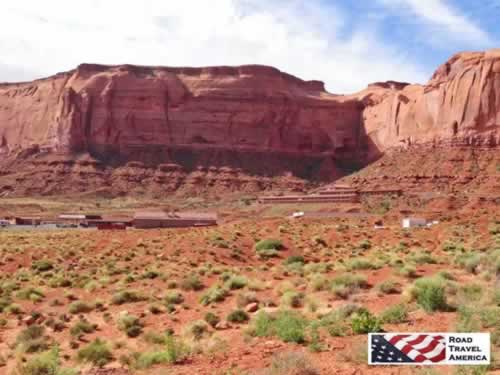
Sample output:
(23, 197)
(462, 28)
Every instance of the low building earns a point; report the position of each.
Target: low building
(412, 222)
(109, 222)
(24, 220)
(162, 219)
(78, 219)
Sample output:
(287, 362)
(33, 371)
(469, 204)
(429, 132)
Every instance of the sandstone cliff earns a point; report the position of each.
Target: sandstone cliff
(460, 105)
(231, 128)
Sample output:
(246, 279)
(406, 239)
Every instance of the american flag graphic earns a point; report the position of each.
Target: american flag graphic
(407, 348)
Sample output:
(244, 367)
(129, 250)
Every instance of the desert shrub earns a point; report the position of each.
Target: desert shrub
(430, 294)
(362, 264)
(127, 296)
(32, 294)
(80, 307)
(471, 292)
(467, 320)
(81, 327)
(421, 258)
(236, 282)
(244, 298)
(191, 282)
(211, 319)
(292, 299)
(175, 351)
(365, 322)
(42, 265)
(238, 316)
(46, 363)
(294, 259)
(173, 298)
(345, 285)
(130, 324)
(319, 282)
(268, 248)
(196, 330)
(365, 245)
(389, 287)
(394, 314)
(32, 339)
(291, 363)
(289, 326)
(214, 294)
(336, 322)
(269, 244)
(97, 353)
(407, 271)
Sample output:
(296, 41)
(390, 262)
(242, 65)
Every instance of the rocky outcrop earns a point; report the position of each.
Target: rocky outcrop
(460, 105)
(219, 116)
(229, 128)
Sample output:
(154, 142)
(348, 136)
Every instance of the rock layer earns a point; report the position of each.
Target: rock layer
(460, 105)
(219, 125)
(219, 116)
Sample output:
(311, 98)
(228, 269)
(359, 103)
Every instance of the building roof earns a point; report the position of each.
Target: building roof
(163, 215)
(72, 217)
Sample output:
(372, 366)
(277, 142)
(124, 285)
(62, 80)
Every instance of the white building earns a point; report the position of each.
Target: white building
(411, 222)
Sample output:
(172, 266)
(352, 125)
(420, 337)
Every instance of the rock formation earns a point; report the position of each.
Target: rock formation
(460, 105)
(248, 127)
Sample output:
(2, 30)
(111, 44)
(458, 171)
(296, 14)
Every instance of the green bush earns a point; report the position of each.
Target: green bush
(345, 285)
(43, 265)
(214, 294)
(365, 322)
(191, 282)
(127, 296)
(81, 327)
(408, 271)
(389, 287)
(238, 316)
(269, 244)
(362, 264)
(395, 314)
(32, 294)
(289, 326)
(430, 294)
(46, 363)
(268, 248)
(175, 352)
(80, 307)
(130, 324)
(174, 298)
(294, 259)
(32, 339)
(211, 319)
(196, 330)
(292, 299)
(291, 363)
(97, 353)
(236, 282)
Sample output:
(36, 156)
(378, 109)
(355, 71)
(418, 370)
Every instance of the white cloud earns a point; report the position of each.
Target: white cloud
(445, 22)
(301, 38)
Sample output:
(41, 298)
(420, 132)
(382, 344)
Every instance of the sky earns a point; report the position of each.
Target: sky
(345, 43)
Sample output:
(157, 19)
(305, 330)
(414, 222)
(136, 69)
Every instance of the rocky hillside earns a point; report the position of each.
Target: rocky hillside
(159, 130)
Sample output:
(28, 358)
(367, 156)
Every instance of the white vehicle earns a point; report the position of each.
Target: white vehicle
(4, 223)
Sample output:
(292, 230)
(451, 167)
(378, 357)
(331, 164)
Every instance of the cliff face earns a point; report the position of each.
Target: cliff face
(220, 126)
(459, 105)
(160, 115)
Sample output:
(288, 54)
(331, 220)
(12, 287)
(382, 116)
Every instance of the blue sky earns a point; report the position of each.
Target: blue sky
(347, 44)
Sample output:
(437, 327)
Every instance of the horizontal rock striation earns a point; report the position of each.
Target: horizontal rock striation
(460, 106)
(229, 128)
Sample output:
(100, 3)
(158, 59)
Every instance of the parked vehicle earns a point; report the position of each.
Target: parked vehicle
(4, 223)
